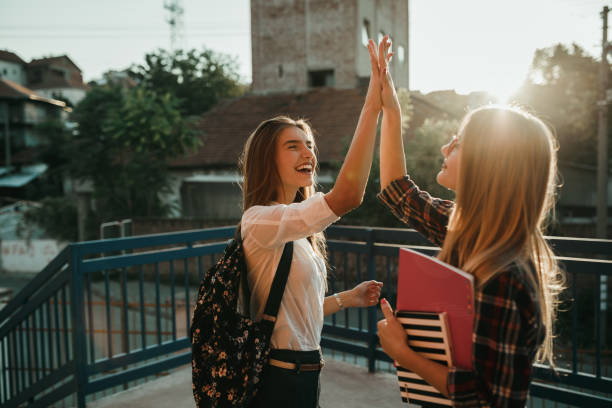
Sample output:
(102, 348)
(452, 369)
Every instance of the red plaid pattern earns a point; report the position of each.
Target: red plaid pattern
(507, 326)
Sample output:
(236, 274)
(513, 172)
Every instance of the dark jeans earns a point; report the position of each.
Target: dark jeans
(287, 388)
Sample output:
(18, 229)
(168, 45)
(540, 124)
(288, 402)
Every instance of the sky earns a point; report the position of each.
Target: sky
(466, 45)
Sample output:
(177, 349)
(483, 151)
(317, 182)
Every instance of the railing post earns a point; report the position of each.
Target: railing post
(372, 338)
(78, 325)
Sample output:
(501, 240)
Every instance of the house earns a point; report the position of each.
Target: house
(56, 77)
(12, 67)
(21, 109)
(309, 60)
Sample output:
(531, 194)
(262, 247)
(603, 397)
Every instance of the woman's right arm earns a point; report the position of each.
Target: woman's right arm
(350, 185)
(392, 160)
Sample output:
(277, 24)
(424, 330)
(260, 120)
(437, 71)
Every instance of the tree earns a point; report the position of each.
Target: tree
(125, 140)
(198, 79)
(562, 88)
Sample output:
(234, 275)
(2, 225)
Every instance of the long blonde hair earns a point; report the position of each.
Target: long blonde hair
(261, 178)
(507, 181)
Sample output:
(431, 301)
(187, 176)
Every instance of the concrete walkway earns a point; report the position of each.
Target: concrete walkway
(342, 385)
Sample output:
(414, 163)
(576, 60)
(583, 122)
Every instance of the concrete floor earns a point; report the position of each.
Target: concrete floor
(342, 385)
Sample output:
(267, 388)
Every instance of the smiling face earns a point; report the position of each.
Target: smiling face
(449, 173)
(295, 162)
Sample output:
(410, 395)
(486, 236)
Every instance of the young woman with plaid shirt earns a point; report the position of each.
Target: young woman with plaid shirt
(502, 167)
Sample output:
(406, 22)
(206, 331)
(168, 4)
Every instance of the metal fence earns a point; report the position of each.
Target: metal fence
(107, 314)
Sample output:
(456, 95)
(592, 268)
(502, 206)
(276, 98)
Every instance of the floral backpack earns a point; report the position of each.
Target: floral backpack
(229, 349)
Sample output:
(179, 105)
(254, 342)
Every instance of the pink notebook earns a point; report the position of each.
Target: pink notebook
(426, 284)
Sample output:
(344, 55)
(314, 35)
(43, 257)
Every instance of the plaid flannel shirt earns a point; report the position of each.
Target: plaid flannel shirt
(507, 327)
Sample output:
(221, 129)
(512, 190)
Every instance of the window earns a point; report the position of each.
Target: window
(365, 32)
(321, 78)
(400, 54)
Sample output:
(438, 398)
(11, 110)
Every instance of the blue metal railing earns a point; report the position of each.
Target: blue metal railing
(104, 314)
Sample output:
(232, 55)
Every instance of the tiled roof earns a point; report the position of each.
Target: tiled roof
(333, 114)
(11, 57)
(51, 60)
(12, 90)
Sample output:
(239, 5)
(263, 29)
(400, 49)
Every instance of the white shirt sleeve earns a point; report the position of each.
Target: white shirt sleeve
(273, 225)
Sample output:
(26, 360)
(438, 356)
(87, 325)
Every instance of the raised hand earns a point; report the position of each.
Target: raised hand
(388, 94)
(373, 98)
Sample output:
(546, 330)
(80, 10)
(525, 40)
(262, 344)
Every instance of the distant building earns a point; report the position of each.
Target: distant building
(21, 109)
(300, 45)
(12, 67)
(56, 77)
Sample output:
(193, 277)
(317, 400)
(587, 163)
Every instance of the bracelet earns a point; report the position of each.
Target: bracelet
(339, 301)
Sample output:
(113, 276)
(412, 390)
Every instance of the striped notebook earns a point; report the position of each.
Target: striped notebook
(428, 335)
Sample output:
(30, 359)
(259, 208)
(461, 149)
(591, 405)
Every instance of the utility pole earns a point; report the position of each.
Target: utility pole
(175, 21)
(602, 146)
(602, 169)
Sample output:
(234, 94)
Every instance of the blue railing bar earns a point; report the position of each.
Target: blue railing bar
(598, 329)
(61, 392)
(200, 269)
(124, 309)
(187, 300)
(92, 355)
(25, 310)
(79, 340)
(354, 334)
(58, 343)
(154, 240)
(21, 364)
(574, 323)
(570, 397)
(568, 377)
(359, 310)
(332, 280)
(143, 336)
(157, 304)
(137, 356)
(581, 245)
(66, 322)
(4, 392)
(337, 231)
(43, 384)
(400, 235)
(30, 365)
(120, 261)
(37, 283)
(38, 335)
(50, 336)
(345, 346)
(587, 266)
(109, 318)
(138, 372)
(392, 250)
(172, 300)
(344, 280)
(347, 246)
(372, 341)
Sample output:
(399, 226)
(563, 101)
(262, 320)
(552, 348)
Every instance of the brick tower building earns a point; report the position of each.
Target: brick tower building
(298, 45)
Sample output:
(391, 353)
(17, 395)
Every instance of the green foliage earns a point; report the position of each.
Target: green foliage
(198, 79)
(57, 216)
(125, 140)
(563, 89)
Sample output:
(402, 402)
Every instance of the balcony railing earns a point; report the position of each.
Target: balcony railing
(107, 314)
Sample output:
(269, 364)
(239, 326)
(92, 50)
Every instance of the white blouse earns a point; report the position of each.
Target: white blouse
(265, 230)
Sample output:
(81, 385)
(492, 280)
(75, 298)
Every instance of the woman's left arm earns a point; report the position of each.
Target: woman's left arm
(363, 295)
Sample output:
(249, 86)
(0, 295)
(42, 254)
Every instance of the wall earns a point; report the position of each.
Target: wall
(12, 72)
(21, 256)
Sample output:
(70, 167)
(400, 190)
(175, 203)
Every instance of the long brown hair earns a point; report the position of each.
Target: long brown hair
(507, 181)
(260, 174)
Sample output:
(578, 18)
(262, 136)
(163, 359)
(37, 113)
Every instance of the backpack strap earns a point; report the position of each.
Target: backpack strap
(278, 288)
